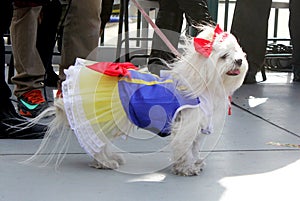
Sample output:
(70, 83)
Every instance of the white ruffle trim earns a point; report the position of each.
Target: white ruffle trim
(84, 131)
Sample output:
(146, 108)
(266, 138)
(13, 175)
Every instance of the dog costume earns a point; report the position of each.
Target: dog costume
(100, 97)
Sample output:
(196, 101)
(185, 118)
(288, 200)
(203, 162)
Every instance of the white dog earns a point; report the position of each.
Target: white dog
(103, 100)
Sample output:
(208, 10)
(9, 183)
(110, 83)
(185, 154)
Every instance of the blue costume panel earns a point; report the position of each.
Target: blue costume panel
(151, 102)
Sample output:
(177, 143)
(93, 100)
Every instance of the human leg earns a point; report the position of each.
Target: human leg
(46, 36)
(5, 19)
(250, 26)
(29, 66)
(81, 32)
(196, 11)
(107, 6)
(169, 20)
(9, 119)
(294, 26)
(30, 70)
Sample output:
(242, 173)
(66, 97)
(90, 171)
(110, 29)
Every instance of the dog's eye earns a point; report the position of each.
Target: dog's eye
(224, 56)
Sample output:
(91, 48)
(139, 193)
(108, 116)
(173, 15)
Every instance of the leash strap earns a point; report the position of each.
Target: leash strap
(156, 29)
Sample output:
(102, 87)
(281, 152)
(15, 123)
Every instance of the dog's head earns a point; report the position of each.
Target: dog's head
(215, 58)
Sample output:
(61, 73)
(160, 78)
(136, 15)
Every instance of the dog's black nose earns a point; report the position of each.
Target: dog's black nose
(239, 62)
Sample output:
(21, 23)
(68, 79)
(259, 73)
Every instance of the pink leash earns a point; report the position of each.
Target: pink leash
(157, 30)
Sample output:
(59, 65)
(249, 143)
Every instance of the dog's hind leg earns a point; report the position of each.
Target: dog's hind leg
(106, 159)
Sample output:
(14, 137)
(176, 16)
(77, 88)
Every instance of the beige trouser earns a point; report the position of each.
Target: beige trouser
(81, 32)
(28, 64)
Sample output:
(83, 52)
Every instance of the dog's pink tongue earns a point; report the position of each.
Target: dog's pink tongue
(233, 72)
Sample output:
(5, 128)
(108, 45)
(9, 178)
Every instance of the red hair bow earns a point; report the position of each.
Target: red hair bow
(204, 46)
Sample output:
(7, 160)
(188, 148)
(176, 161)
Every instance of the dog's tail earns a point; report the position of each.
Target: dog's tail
(56, 141)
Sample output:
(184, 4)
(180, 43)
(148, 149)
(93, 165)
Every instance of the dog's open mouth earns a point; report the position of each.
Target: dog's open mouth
(233, 72)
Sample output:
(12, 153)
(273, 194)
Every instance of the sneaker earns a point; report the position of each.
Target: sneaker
(31, 103)
(13, 126)
(59, 91)
(59, 94)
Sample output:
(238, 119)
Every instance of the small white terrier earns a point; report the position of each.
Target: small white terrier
(200, 82)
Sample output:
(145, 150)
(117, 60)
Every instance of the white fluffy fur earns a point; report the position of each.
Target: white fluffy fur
(201, 76)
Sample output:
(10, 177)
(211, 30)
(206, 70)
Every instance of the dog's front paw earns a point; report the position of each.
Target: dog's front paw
(185, 170)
